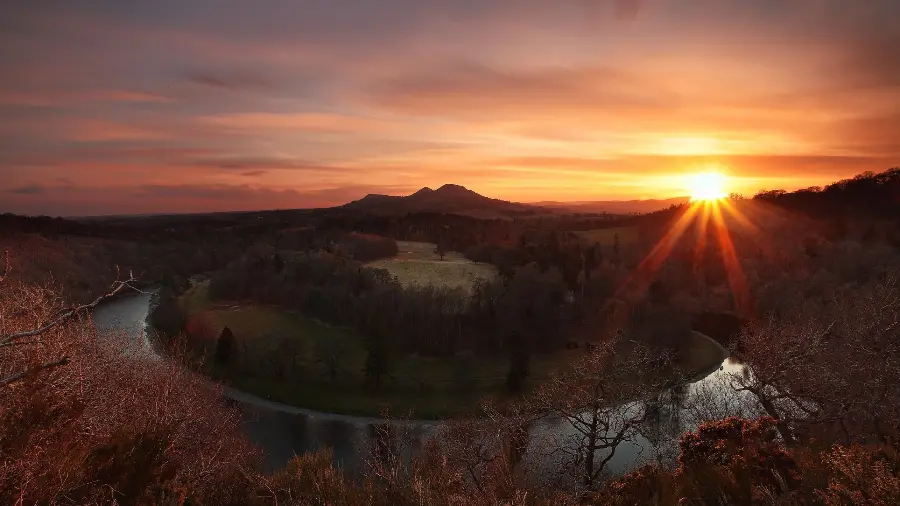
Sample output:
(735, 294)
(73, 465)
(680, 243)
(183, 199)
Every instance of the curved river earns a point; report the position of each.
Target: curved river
(283, 431)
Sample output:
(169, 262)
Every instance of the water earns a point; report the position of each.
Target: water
(282, 431)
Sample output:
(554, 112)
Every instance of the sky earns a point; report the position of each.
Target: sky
(114, 107)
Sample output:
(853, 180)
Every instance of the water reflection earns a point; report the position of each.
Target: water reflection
(284, 431)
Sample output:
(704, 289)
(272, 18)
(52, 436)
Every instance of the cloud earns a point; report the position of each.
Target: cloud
(57, 98)
(300, 121)
(873, 62)
(28, 190)
(262, 163)
(232, 81)
(628, 9)
(473, 90)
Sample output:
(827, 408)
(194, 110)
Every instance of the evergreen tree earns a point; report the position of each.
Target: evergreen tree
(224, 347)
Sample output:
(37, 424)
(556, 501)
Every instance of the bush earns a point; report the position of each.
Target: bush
(78, 433)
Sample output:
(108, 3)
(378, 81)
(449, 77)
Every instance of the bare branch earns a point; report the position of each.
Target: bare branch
(114, 289)
(49, 365)
(6, 267)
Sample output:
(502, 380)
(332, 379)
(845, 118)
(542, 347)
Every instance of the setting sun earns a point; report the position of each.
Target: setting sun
(707, 186)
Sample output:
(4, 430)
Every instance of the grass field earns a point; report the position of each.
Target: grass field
(417, 264)
(429, 388)
(606, 236)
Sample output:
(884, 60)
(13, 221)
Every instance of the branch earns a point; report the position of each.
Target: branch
(6, 268)
(19, 343)
(49, 365)
(115, 288)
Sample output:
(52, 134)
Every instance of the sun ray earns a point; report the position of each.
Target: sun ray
(733, 212)
(700, 248)
(653, 261)
(736, 280)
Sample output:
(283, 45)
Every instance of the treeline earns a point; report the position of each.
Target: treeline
(869, 194)
(428, 320)
(532, 310)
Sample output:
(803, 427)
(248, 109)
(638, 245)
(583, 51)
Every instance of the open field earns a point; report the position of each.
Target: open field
(417, 264)
(606, 236)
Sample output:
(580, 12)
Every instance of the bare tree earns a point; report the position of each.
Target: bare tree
(829, 369)
(595, 396)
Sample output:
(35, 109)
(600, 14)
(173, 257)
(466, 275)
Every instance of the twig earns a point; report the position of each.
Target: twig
(49, 365)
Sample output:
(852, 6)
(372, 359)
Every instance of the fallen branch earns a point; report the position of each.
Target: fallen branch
(49, 365)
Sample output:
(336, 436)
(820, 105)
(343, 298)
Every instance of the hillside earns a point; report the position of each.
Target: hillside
(449, 198)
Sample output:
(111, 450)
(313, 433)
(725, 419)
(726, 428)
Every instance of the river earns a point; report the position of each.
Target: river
(282, 431)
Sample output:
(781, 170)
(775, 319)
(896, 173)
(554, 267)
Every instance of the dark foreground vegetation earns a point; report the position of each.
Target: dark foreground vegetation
(814, 315)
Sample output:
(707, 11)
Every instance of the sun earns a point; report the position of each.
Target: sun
(706, 186)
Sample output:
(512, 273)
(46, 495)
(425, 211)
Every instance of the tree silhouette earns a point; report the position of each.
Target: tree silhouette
(376, 359)
(519, 356)
(440, 249)
(224, 347)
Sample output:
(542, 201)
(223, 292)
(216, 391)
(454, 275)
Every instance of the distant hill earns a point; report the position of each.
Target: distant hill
(449, 198)
(613, 206)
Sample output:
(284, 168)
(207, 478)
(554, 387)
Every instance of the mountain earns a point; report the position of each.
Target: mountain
(613, 206)
(450, 198)
(456, 199)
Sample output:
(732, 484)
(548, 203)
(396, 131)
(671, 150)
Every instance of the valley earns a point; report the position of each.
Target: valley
(331, 333)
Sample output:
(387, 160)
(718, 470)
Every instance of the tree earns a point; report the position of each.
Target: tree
(376, 358)
(659, 292)
(793, 377)
(594, 396)
(165, 313)
(441, 248)
(519, 357)
(224, 347)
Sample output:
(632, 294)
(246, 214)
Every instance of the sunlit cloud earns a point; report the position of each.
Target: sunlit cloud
(525, 100)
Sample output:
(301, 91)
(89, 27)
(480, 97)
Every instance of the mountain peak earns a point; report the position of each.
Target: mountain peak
(449, 198)
(424, 191)
(453, 189)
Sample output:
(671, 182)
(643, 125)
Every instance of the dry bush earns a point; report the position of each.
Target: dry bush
(311, 480)
(861, 475)
(101, 427)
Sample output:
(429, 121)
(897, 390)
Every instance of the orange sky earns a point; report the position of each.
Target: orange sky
(201, 105)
